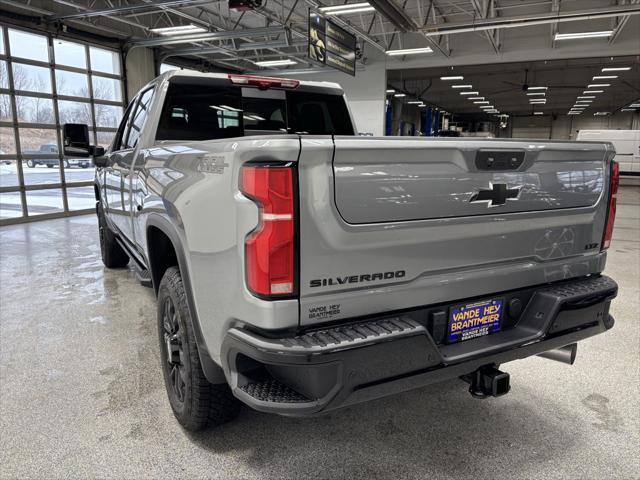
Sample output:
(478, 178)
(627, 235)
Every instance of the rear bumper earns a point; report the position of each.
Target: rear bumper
(346, 364)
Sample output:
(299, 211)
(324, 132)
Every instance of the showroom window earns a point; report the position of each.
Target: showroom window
(46, 82)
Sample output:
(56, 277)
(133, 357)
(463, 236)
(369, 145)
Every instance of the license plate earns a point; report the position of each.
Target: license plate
(475, 320)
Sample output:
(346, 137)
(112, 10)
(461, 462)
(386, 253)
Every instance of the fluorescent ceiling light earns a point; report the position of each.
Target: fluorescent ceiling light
(628, 110)
(415, 102)
(588, 96)
(536, 103)
(536, 93)
(537, 88)
(347, 11)
(276, 63)
(538, 113)
(582, 102)
(179, 30)
(616, 69)
(601, 113)
(605, 77)
(597, 85)
(409, 51)
(475, 98)
(461, 86)
(572, 36)
(455, 77)
(487, 106)
(391, 90)
(574, 113)
(635, 105)
(400, 95)
(346, 6)
(469, 93)
(481, 102)
(593, 91)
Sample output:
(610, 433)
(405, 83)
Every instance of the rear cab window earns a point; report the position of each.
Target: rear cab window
(209, 109)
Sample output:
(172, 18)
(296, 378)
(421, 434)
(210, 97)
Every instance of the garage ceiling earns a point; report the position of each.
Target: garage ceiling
(503, 86)
(278, 29)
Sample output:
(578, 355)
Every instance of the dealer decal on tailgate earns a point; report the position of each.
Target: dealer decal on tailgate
(475, 320)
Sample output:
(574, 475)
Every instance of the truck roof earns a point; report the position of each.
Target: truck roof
(190, 73)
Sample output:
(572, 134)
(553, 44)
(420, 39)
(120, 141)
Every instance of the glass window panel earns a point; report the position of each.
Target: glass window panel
(74, 112)
(107, 115)
(69, 53)
(43, 169)
(8, 172)
(1, 41)
(139, 117)
(106, 89)
(105, 139)
(103, 60)
(10, 205)
(31, 79)
(81, 198)
(5, 109)
(28, 45)
(72, 84)
(40, 202)
(4, 79)
(35, 110)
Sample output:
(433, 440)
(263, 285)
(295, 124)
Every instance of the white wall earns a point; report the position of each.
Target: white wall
(140, 69)
(365, 92)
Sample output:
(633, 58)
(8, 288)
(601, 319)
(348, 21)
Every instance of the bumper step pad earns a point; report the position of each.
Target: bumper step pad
(271, 390)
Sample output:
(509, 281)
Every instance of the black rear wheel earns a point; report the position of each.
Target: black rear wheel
(196, 403)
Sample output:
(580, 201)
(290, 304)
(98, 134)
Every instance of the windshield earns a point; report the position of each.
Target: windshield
(206, 112)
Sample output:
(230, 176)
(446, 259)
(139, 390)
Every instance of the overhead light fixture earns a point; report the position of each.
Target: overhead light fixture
(616, 69)
(635, 105)
(455, 77)
(605, 77)
(475, 98)
(461, 86)
(597, 114)
(409, 51)
(579, 102)
(538, 113)
(536, 93)
(574, 113)
(598, 85)
(275, 63)
(537, 102)
(391, 90)
(481, 102)
(489, 107)
(347, 8)
(179, 30)
(415, 102)
(593, 91)
(469, 93)
(573, 36)
(537, 88)
(628, 110)
(347, 11)
(587, 96)
(400, 95)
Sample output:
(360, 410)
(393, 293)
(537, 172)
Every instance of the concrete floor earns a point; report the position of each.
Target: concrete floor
(82, 395)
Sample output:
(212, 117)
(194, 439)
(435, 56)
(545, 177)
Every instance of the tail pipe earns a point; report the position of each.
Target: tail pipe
(566, 354)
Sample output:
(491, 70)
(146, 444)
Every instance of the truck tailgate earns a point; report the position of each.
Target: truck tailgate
(395, 223)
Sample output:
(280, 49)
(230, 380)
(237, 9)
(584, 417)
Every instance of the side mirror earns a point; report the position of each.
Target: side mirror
(75, 139)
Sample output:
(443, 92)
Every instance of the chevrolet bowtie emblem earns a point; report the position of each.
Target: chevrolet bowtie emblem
(497, 195)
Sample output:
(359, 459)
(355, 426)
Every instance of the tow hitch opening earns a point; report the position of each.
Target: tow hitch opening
(487, 381)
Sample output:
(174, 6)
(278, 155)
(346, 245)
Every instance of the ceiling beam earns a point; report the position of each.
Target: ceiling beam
(138, 8)
(482, 10)
(207, 36)
(529, 20)
(622, 22)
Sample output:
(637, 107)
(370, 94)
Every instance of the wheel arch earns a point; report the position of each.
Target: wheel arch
(165, 249)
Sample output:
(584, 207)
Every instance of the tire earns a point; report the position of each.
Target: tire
(66, 164)
(31, 164)
(196, 403)
(113, 256)
(85, 165)
(49, 165)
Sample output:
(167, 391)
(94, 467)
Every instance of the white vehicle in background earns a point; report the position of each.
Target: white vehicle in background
(626, 143)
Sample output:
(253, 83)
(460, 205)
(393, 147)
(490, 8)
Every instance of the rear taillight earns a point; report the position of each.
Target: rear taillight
(270, 250)
(611, 211)
(263, 82)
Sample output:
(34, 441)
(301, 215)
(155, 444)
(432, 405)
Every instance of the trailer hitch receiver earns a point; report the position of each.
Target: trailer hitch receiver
(487, 381)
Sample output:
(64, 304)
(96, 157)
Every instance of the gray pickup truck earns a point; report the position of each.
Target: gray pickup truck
(300, 267)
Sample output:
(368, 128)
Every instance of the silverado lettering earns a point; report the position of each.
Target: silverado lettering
(369, 277)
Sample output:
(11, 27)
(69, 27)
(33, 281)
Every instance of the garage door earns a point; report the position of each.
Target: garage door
(531, 127)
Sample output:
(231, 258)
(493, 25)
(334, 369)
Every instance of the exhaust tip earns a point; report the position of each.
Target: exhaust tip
(566, 354)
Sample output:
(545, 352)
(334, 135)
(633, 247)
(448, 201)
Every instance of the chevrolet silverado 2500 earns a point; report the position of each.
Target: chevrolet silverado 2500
(299, 267)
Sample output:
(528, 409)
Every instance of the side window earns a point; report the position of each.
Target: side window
(117, 141)
(140, 115)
